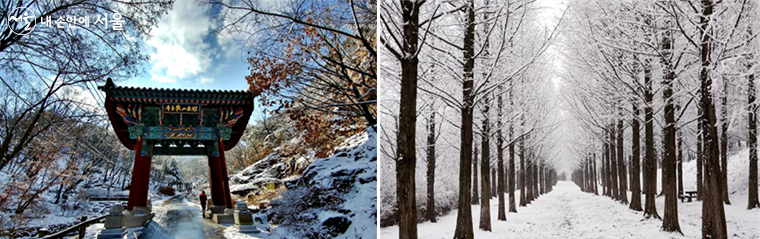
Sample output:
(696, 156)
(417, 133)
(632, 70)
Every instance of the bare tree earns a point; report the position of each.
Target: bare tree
(500, 159)
(431, 167)
(485, 171)
(753, 201)
(670, 220)
(307, 60)
(40, 62)
(622, 174)
(404, 44)
(511, 167)
(713, 216)
(475, 169)
(635, 158)
(464, 214)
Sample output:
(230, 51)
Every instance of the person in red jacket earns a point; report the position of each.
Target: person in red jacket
(203, 201)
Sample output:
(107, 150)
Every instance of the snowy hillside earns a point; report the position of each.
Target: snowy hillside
(335, 197)
(738, 175)
(274, 168)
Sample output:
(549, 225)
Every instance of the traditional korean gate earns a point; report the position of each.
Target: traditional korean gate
(178, 122)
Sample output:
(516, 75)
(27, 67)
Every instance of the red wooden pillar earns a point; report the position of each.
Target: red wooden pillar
(218, 196)
(138, 189)
(225, 177)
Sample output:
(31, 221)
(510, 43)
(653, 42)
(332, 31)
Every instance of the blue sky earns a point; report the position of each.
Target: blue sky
(186, 54)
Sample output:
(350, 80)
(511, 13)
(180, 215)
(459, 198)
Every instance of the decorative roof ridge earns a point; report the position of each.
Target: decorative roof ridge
(111, 86)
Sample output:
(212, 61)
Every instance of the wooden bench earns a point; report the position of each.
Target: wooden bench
(691, 194)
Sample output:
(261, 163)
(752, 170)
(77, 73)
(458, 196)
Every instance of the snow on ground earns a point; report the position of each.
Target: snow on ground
(567, 212)
(183, 219)
(335, 196)
(352, 169)
(741, 223)
(738, 175)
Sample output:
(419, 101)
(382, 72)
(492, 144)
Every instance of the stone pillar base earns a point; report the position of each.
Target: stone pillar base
(249, 229)
(229, 211)
(243, 218)
(139, 220)
(224, 218)
(217, 209)
(138, 210)
(112, 233)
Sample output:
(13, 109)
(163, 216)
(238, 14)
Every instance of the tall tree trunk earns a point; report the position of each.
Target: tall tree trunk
(593, 175)
(630, 176)
(700, 155)
(493, 182)
(613, 165)
(464, 213)
(485, 172)
(650, 174)
(522, 167)
(670, 219)
(680, 161)
(406, 159)
(753, 201)
(585, 173)
(724, 143)
(511, 166)
(431, 167)
(713, 216)
(606, 170)
(600, 174)
(535, 179)
(623, 177)
(475, 169)
(529, 178)
(541, 188)
(635, 158)
(500, 159)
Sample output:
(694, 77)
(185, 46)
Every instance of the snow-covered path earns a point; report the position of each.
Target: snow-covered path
(567, 212)
(183, 219)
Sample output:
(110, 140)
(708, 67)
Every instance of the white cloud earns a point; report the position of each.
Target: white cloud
(82, 98)
(162, 79)
(205, 80)
(179, 50)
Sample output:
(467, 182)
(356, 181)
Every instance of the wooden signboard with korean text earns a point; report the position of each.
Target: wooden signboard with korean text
(180, 108)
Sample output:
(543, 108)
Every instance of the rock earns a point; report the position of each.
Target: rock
(344, 211)
(367, 180)
(336, 225)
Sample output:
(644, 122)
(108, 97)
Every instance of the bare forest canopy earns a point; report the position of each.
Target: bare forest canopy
(500, 93)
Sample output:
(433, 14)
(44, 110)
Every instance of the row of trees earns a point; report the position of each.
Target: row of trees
(494, 90)
(698, 51)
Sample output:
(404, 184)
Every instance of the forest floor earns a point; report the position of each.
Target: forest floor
(567, 212)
